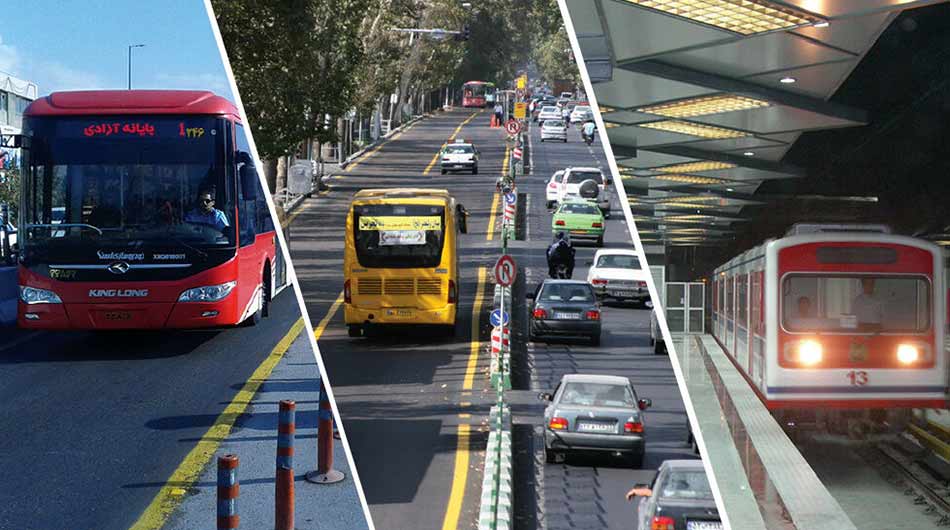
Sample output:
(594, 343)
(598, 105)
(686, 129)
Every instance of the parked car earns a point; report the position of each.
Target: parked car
(595, 413)
(580, 219)
(552, 193)
(554, 130)
(616, 273)
(564, 309)
(573, 179)
(548, 112)
(679, 498)
(460, 155)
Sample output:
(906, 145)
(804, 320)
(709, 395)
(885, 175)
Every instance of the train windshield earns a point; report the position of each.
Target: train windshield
(856, 303)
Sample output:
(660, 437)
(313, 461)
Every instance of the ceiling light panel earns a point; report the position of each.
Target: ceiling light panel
(704, 106)
(694, 129)
(695, 167)
(745, 17)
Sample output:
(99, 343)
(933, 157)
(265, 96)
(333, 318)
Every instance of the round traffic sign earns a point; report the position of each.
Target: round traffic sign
(513, 127)
(505, 271)
(510, 198)
(496, 318)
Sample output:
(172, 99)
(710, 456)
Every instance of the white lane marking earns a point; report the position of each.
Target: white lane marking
(527, 216)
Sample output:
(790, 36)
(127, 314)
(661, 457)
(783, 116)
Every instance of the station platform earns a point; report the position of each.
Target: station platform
(764, 481)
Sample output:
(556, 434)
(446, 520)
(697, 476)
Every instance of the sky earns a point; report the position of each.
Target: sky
(83, 44)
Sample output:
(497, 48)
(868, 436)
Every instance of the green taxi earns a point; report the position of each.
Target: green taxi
(581, 219)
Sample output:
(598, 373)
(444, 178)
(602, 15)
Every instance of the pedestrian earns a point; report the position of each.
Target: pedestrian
(499, 112)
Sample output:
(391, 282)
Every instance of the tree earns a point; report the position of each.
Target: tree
(10, 190)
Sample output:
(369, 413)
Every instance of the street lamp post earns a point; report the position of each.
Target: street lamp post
(130, 61)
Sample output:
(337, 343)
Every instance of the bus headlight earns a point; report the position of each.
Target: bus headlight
(907, 353)
(809, 352)
(32, 295)
(209, 293)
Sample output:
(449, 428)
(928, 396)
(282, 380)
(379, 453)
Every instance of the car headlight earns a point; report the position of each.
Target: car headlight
(209, 293)
(32, 295)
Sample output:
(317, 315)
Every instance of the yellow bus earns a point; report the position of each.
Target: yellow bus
(400, 264)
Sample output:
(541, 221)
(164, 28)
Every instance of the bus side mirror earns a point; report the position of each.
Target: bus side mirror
(461, 214)
(250, 183)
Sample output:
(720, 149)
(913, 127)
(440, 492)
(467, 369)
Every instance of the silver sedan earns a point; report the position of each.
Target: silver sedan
(595, 413)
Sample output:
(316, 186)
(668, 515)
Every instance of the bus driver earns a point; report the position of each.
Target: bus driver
(205, 213)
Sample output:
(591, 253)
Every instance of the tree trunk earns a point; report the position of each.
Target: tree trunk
(281, 181)
(270, 174)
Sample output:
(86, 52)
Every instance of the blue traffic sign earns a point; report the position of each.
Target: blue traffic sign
(510, 198)
(495, 318)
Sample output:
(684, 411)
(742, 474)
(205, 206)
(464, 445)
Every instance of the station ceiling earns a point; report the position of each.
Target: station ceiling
(703, 99)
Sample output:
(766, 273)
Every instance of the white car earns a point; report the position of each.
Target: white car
(552, 191)
(460, 155)
(549, 112)
(581, 113)
(554, 130)
(571, 182)
(616, 273)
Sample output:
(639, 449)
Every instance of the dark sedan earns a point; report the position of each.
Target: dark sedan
(563, 309)
(678, 499)
(595, 414)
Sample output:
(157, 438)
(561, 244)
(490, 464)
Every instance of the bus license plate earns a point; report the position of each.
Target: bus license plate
(400, 313)
(117, 315)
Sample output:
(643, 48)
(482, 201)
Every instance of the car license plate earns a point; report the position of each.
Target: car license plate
(623, 293)
(595, 427)
(567, 316)
(703, 525)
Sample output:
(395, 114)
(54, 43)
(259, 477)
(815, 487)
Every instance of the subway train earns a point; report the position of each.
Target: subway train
(831, 322)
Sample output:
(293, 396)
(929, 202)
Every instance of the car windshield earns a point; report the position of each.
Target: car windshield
(691, 484)
(128, 180)
(856, 303)
(618, 261)
(581, 109)
(553, 124)
(399, 235)
(566, 292)
(578, 208)
(598, 395)
(549, 109)
(459, 150)
(576, 177)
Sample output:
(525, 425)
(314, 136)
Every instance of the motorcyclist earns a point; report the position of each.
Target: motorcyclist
(588, 131)
(560, 253)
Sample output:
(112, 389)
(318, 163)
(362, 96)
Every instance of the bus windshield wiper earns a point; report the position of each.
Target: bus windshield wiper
(66, 225)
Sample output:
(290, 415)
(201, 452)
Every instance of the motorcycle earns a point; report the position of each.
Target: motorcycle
(560, 272)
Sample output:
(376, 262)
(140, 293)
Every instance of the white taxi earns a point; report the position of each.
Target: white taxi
(616, 273)
(552, 192)
(459, 156)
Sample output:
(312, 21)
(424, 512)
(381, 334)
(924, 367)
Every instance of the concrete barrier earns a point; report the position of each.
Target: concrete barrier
(8, 295)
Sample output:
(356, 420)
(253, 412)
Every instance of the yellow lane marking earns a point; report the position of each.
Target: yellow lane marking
(476, 328)
(504, 163)
(457, 494)
(491, 218)
(458, 129)
(188, 471)
(318, 330)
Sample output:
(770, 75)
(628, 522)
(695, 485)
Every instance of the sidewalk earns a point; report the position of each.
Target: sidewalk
(254, 441)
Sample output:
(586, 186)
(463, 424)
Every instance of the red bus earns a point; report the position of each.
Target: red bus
(141, 209)
(476, 93)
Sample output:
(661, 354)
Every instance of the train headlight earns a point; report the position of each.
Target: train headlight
(907, 353)
(809, 352)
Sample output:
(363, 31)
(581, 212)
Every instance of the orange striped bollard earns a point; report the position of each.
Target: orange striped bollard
(228, 490)
(284, 494)
(325, 474)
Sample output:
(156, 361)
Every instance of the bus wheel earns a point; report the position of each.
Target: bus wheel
(354, 330)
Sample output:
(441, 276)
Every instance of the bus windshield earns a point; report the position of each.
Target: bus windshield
(856, 303)
(399, 235)
(127, 181)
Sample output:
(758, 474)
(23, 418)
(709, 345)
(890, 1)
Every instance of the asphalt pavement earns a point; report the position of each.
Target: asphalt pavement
(587, 493)
(95, 424)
